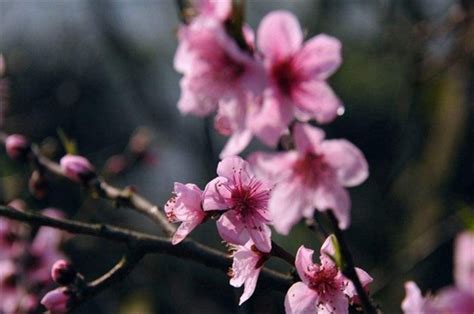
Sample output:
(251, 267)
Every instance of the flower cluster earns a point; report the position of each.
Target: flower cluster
(267, 85)
(25, 262)
(457, 299)
(258, 89)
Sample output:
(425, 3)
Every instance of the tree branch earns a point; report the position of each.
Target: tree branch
(147, 243)
(126, 197)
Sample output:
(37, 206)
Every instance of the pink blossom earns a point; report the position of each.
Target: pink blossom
(297, 73)
(185, 206)
(246, 266)
(215, 69)
(457, 299)
(17, 146)
(58, 301)
(415, 303)
(243, 199)
(312, 176)
(323, 288)
(77, 168)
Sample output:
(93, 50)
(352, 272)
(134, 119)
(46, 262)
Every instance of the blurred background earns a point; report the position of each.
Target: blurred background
(101, 72)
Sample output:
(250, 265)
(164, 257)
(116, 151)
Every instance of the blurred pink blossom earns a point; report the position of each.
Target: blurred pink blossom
(457, 299)
(215, 69)
(297, 72)
(312, 176)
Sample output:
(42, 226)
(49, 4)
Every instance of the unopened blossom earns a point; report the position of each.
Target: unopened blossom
(215, 69)
(246, 266)
(58, 301)
(243, 199)
(297, 73)
(323, 289)
(17, 146)
(185, 207)
(63, 272)
(77, 168)
(312, 176)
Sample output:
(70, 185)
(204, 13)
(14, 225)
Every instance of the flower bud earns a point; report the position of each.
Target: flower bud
(58, 301)
(17, 147)
(63, 272)
(77, 168)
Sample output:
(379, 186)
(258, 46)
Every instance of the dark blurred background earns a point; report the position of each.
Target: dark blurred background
(97, 70)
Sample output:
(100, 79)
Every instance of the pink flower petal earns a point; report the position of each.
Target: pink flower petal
(260, 234)
(249, 287)
(231, 229)
(365, 280)
(454, 300)
(338, 303)
(190, 102)
(307, 138)
(304, 262)
(185, 228)
(236, 143)
(230, 166)
(279, 35)
(244, 271)
(215, 196)
(287, 202)
(348, 161)
(414, 303)
(300, 299)
(318, 100)
(464, 261)
(273, 166)
(330, 195)
(270, 119)
(320, 57)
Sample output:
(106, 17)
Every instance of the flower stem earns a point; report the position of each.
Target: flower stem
(348, 268)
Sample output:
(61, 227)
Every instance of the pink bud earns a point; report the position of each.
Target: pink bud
(63, 272)
(58, 300)
(77, 168)
(17, 146)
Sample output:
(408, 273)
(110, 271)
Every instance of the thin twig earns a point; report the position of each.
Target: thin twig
(116, 274)
(125, 197)
(147, 243)
(348, 268)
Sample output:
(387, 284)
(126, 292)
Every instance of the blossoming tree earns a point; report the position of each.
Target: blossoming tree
(270, 84)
